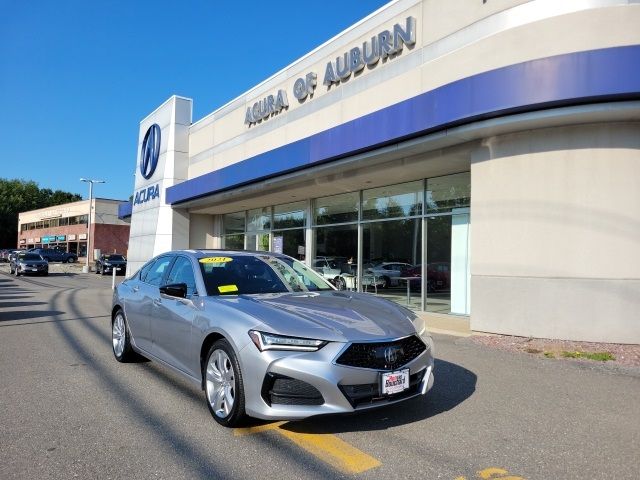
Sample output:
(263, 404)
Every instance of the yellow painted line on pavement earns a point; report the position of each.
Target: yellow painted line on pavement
(326, 447)
(497, 474)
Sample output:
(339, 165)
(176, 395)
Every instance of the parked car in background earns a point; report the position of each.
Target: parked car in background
(387, 271)
(109, 262)
(28, 263)
(12, 254)
(330, 267)
(265, 336)
(54, 255)
(438, 276)
(4, 254)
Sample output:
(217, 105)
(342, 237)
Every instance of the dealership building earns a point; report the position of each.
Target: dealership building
(486, 154)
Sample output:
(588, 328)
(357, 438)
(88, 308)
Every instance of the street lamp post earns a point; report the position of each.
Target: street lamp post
(86, 269)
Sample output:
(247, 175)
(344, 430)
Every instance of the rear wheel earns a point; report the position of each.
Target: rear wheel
(223, 385)
(71, 260)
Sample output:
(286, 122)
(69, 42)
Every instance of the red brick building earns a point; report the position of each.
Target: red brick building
(65, 227)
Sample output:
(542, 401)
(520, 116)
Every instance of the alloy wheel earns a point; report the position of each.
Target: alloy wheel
(220, 383)
(119, 335)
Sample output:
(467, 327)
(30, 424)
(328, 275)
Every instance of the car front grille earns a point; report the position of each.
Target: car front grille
(282, 390)
(382, 355)
(369, 393)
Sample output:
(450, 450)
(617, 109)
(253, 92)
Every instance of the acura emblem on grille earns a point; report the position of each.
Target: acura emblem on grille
(391, 354)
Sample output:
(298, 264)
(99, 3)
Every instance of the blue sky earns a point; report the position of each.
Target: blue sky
(76, 77)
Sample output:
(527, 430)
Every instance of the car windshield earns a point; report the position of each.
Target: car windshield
(114, 258)
(245, 274)
(30, 257)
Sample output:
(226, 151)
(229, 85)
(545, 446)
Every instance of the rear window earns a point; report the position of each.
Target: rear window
(114, 257)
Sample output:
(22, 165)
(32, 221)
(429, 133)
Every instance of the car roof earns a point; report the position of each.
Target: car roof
(201, 253)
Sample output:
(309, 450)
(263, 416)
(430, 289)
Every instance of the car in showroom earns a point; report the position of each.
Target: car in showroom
(108, 262)
(55, 255)
(265, 336)
(388, 272)
(28, 263)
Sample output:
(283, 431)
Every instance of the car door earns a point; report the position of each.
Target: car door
(172, 323)
(141, 305)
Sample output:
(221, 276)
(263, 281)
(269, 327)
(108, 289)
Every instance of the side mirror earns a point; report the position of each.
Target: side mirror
(175, 290)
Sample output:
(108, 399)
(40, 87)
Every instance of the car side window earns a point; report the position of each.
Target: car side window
(144, 270)
(182, 272)
(157, 270)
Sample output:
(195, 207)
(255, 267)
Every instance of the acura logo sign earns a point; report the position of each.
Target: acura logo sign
(391, 355)
(150, 151)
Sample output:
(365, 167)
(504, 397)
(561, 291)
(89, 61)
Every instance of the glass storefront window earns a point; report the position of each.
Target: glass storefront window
(258, 242)
(392, 256)
(395, 201)
(451, 191)
(233, 222)
(289, 242)
(259, 219)
(234, 242)
(341, 208)
(290, 215)
(336, 250)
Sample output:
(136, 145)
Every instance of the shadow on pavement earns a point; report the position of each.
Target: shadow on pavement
(18, 304)
(25, 315)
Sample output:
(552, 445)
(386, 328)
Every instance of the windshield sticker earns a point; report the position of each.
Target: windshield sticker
(215, 260)
(227, 288)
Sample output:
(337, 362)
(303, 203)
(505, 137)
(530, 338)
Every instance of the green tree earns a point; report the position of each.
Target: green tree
(21, 196)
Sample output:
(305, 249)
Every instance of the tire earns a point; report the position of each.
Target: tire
(387, 282)
(71, 260)
(97, 271)
(121, 339)
(340, 283)
(223, 385)
(17, 272)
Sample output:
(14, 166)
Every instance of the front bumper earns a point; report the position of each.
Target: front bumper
(343, 389)
(33, 269)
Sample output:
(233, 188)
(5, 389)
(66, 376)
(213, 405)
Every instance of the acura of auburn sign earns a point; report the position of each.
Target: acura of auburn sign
(385, 44)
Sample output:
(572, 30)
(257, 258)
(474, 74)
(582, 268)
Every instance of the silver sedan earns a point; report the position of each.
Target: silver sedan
(267, 337)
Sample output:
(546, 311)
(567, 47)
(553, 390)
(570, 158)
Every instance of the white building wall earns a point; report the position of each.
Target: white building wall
(556, 233)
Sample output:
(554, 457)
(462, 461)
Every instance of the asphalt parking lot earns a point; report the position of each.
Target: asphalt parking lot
(69, 410)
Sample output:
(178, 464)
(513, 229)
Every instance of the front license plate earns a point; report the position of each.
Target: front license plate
(118, 269)
(395, 382)
(32, 269)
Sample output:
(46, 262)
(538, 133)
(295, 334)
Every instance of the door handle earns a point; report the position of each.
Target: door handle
(157, 301)
(135, 289)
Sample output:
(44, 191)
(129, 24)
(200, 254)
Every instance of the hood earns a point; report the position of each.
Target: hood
(333, 316)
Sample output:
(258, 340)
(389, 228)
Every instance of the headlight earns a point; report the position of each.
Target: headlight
(269, 341)
(421, 328)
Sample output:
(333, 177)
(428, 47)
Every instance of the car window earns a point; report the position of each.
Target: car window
(157, 270)
(144, 270)
(182, 272)
(237, 275)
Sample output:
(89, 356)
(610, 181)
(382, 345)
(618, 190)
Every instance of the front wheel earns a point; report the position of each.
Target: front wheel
(17, 271)
(121, 340)
(223, 385)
